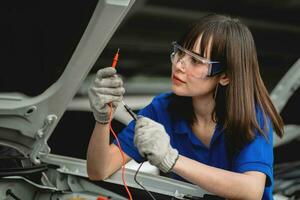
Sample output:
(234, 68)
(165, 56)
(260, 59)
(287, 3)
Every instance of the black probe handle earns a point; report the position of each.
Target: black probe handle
(132, 114)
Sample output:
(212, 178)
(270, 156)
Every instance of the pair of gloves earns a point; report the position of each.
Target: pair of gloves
(150, 137)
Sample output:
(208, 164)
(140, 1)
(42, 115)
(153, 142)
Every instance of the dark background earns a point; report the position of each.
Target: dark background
(38, 37)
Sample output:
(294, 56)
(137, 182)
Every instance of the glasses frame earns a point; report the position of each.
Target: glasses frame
(215, 67)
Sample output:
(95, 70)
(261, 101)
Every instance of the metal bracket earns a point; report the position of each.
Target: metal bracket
(42, 136)
(286, 86)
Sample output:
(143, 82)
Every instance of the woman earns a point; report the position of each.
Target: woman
(214, 129)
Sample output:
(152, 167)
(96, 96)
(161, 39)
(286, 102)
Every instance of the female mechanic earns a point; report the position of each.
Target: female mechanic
(214, 129)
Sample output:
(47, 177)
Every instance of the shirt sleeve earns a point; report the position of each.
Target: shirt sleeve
(127, 134)
(257, 155)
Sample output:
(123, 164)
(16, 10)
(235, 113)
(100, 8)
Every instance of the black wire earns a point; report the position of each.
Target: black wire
(135, 179)
(134, 116)
(10, 193)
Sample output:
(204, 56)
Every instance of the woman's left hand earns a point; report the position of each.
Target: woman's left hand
(153, 143)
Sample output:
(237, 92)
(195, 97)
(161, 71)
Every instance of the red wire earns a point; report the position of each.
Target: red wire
(114, 64)
(122, 154)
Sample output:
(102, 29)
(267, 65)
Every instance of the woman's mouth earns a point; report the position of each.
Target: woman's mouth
(177, 80)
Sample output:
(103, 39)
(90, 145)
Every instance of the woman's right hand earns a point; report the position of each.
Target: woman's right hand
(105, 89)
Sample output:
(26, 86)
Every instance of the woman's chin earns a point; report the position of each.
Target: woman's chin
(178, 91)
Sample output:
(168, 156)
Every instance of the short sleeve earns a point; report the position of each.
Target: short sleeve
(257, 156)
(127, 134)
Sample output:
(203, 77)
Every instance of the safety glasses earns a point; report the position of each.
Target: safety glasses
(194, 64)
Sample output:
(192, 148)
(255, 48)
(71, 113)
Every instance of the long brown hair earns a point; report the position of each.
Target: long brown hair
(232, 44)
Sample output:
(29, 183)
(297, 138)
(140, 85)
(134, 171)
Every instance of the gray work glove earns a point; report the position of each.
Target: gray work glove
(153, 143)
(106, 88)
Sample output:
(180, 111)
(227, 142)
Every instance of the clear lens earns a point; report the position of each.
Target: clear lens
(194, 66)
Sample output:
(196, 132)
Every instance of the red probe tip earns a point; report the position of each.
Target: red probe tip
(115, 60)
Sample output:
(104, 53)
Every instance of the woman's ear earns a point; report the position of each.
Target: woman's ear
(224, 80)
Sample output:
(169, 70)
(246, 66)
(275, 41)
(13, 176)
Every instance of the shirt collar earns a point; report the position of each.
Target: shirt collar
(182, 127)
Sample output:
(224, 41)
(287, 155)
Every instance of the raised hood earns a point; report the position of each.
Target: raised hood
(26, 123)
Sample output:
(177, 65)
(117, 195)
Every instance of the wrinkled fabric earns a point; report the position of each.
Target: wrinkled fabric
(256, 156)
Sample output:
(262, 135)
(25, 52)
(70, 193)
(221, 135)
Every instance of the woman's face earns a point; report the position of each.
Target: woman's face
(186, 83)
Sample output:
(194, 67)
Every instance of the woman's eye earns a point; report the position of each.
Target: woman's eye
(196, 61)
(180, 53)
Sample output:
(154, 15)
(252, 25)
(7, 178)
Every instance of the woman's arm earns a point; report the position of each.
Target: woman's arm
(153, 142)
(103, 159)
(227, 184)
(105, 92)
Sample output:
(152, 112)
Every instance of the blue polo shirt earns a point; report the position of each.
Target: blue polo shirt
(255, 156)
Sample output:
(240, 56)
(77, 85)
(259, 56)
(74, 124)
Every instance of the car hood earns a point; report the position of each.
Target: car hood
(26, 123)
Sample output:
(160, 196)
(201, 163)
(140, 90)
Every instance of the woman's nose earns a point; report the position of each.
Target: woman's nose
(180, 65)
